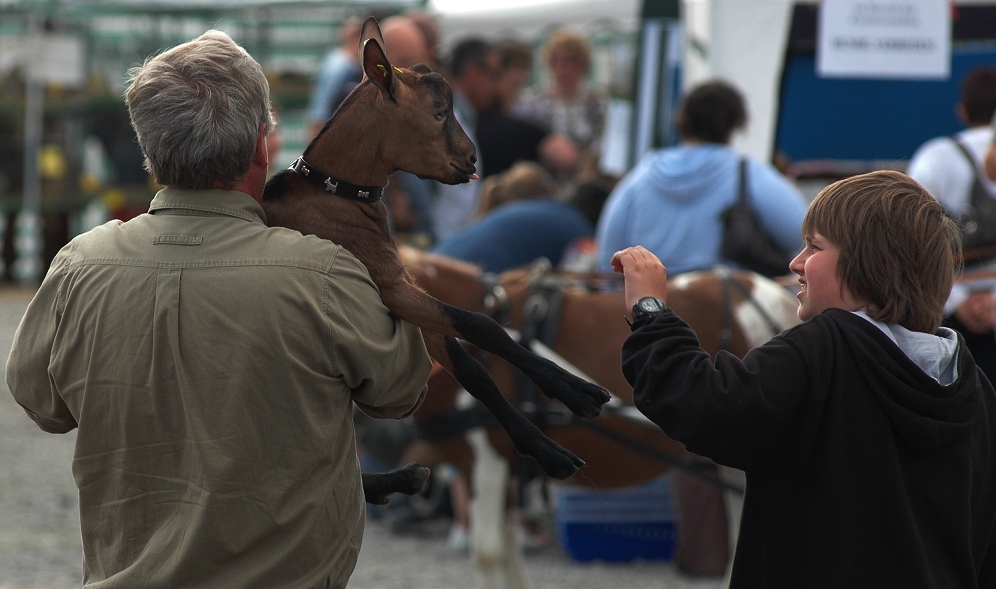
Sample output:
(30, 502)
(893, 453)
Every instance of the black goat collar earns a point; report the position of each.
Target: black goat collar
(336, 186)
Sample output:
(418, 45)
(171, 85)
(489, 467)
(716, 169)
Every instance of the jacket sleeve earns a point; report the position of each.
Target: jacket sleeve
(27, 366)
(381, 358)
(732, 411)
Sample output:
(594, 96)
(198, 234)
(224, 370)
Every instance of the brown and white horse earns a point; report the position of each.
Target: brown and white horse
(585, 330)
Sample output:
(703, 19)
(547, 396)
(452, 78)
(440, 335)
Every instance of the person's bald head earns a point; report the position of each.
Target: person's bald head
(405, 42)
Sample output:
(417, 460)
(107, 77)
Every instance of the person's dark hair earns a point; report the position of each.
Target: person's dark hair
(589, 198)
(711, 112)
(467, 53)
(978, 95)
(515, 54)
(898, 250)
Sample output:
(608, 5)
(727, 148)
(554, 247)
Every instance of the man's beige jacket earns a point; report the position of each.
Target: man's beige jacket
(211, 365)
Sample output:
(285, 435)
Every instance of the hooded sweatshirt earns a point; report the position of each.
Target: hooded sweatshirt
(862, 469)
(673, 200)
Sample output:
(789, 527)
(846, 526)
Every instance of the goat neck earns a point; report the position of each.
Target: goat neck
(348, 148)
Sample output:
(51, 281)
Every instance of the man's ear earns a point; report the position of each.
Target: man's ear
(261, 157)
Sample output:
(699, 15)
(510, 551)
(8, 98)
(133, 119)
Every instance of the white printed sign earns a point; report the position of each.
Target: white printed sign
(898, 39)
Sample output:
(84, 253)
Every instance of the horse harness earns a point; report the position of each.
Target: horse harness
(726, 328)
(541, 323)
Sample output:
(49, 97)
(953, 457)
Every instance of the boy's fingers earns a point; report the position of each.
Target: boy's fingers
(621, 259)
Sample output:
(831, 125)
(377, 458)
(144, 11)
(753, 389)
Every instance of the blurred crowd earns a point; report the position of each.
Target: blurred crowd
(538, 124)
(535, 141)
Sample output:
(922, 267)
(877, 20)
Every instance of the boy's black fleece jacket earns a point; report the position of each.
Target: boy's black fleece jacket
(862, 470)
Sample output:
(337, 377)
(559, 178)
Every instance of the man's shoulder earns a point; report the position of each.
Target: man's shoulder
(226, 239)
(280, 242)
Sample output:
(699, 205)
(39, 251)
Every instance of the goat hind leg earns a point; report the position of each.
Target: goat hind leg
(555, 460)
(413, 305)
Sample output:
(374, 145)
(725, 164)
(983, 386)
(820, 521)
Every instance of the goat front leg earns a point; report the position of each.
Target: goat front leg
(379, 486)
(415, 306)
(555, 460)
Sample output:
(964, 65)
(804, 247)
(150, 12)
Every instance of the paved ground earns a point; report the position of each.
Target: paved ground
(40, 536)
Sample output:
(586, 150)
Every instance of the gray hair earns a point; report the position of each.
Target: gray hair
(197, 110)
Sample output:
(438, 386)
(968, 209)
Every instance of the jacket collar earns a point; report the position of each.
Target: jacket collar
(230, 203)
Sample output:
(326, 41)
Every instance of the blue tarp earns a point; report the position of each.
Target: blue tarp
(855, 119)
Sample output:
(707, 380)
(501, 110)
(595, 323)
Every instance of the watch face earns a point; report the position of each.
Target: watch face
(651, 305)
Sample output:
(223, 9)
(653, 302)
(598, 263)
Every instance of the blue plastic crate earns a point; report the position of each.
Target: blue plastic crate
(617, 525)
(619, 542)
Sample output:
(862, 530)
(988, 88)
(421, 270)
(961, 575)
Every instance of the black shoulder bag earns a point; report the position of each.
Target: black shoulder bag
(744, 239)
(978, 222)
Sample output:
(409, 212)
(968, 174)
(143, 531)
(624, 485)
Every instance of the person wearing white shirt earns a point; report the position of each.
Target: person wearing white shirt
(945, 171)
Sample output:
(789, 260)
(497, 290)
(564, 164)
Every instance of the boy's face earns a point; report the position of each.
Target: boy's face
(821, 288)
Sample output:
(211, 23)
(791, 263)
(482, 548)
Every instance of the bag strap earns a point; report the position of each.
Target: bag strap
(744, 195)
(978, 190)
(964, 150)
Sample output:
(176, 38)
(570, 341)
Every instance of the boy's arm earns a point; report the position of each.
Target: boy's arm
(733, 411)
(27, 366)
(380, 357)
(987, 571)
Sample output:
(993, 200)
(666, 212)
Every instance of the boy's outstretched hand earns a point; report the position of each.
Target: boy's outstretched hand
(643, 274)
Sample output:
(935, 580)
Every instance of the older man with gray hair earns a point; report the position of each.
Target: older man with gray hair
(211, 363)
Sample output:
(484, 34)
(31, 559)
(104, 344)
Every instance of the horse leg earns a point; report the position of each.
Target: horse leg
(415, 306)
(555, 460)
(495, 542)
(378, 486)
(514, 566)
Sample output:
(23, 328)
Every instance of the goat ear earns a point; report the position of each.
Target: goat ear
(377, 68)
(370, 30)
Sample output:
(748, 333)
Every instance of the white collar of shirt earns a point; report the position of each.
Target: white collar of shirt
(936, 355)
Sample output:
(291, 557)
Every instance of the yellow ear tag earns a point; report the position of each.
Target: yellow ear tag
(383, 70)
(397, 70)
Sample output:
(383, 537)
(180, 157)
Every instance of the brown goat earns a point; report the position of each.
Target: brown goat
(402, 119)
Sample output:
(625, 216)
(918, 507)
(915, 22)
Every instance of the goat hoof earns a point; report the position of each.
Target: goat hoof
(411, 478)
(557, 462)
(378, 486)
(583, 398)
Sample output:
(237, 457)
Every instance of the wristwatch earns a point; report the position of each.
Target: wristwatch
(648, 307)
